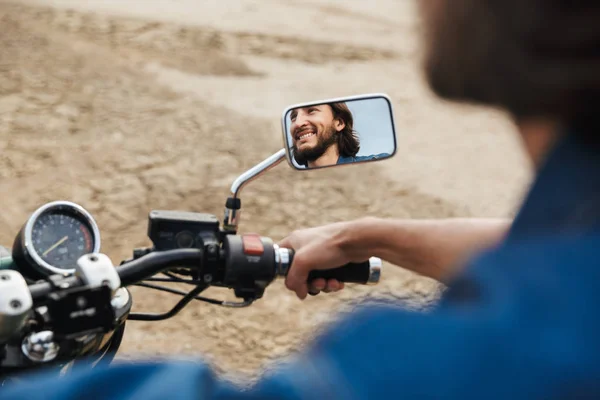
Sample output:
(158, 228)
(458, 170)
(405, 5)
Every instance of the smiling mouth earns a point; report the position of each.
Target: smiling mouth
(305, 135)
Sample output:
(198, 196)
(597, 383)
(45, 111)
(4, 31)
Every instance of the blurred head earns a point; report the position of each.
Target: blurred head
(537, 59)
(315, 129)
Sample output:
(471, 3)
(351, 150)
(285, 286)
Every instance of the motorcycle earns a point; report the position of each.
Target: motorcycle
(64, 303)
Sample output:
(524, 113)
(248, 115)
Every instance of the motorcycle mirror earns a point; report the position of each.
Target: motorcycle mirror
(354, 129)
(340, 131)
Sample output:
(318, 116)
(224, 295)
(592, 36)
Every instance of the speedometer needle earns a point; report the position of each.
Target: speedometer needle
(55, 245)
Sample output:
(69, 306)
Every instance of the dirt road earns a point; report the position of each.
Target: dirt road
(125, 109)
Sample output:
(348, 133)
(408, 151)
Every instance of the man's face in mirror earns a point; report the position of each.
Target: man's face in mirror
(314, 132)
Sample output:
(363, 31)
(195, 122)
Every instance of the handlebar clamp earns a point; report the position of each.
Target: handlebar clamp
(86, 308)
(96, 270)
(15, 303)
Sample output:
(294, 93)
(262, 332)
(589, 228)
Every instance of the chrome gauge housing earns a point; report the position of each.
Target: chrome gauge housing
(52, 240)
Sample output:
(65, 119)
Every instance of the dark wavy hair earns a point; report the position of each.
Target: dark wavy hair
(533, 58)
(347, 139)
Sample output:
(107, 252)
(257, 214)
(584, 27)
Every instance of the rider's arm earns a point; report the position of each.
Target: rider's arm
(434, 248)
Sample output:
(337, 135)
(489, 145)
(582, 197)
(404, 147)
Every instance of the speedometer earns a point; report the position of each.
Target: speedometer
(54, 238)
(60, 239)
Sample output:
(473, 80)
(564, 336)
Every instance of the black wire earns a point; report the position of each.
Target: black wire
(179, 292)
(171, 274)
(244, 303)
(175, 280)
(159, 317)
(178, 271)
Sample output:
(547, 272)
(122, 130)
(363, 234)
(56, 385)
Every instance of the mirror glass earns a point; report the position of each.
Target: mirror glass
(339, 131)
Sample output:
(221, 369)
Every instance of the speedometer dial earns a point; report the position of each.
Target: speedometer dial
(54, 238)
(61, 239)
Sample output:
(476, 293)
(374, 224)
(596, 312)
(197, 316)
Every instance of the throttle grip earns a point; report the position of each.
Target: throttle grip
(366, 273)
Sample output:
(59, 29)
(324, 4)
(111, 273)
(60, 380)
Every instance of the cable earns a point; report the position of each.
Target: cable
(159, 317)
(245, 303)
(175, 280)
(179, 292)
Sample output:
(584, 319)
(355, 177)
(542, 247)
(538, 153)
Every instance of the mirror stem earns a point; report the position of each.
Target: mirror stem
(233, 204)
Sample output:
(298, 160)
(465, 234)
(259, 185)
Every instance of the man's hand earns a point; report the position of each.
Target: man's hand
(316, 248)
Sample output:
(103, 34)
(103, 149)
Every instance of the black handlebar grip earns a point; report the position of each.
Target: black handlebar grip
(366, 273)
(350, 273)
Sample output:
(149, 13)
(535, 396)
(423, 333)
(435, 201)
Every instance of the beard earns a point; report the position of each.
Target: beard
(324, 141)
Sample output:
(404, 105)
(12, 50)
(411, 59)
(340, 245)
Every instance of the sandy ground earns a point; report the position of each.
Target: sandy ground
(129, 106)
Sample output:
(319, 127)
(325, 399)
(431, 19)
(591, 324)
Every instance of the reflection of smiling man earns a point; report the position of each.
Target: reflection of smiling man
(323, 135)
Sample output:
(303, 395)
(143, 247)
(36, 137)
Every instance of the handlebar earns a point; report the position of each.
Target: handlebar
(42, 289)
(366, 273)
(129, 273)
(153, 263)
(273, 262)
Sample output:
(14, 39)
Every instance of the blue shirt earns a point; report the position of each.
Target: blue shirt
(521, 322)
(351, 159)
